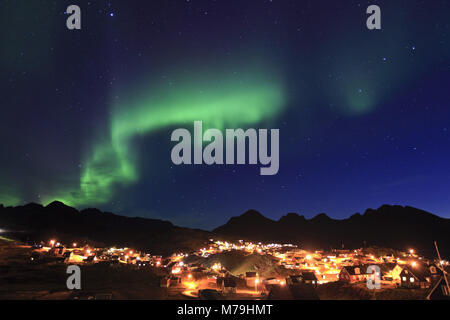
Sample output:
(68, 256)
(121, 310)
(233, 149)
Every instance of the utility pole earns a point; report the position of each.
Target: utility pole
(440, 267)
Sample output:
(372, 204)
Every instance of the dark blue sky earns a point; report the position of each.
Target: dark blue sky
(364, 119)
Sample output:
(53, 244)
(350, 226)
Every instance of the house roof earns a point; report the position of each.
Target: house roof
(420, 271)
(308, 275)
(387, 267)
(352, 269)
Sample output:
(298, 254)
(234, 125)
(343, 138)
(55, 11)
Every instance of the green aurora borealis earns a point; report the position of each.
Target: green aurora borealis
(86, 116)
(220, 102)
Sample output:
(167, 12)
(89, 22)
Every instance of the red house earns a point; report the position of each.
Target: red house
(354, 274)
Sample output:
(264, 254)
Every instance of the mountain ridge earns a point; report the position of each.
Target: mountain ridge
(35, 222)
(392, 226)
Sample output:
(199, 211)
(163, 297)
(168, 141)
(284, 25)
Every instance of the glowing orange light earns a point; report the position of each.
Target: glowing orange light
(176, 270)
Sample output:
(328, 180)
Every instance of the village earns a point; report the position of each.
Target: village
(246, 270)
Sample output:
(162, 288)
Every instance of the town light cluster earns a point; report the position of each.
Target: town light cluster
(405, 269)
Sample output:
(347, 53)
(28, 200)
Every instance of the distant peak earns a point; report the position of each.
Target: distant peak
(292, 216)
(396, 210)
(56, 204)
(321, 217)
(252, 214)
(385, 208)
(60, 207)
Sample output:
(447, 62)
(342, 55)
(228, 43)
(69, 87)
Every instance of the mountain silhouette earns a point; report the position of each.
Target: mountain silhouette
(35, 222)
(389, 226)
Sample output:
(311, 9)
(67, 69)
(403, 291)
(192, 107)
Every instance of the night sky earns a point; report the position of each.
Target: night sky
(364, 116)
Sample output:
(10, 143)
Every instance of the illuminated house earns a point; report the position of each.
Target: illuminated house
(309, 277)
(306, 277)
(251, 278)
(354, 274)
(227, 285)
(395, 273)
(420, 276)
(328, 277)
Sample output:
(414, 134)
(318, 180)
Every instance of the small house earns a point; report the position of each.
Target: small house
(354, 274)
(306, 277)
(415, 277)
(251, 279)
(228, 286)
(309, 277)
